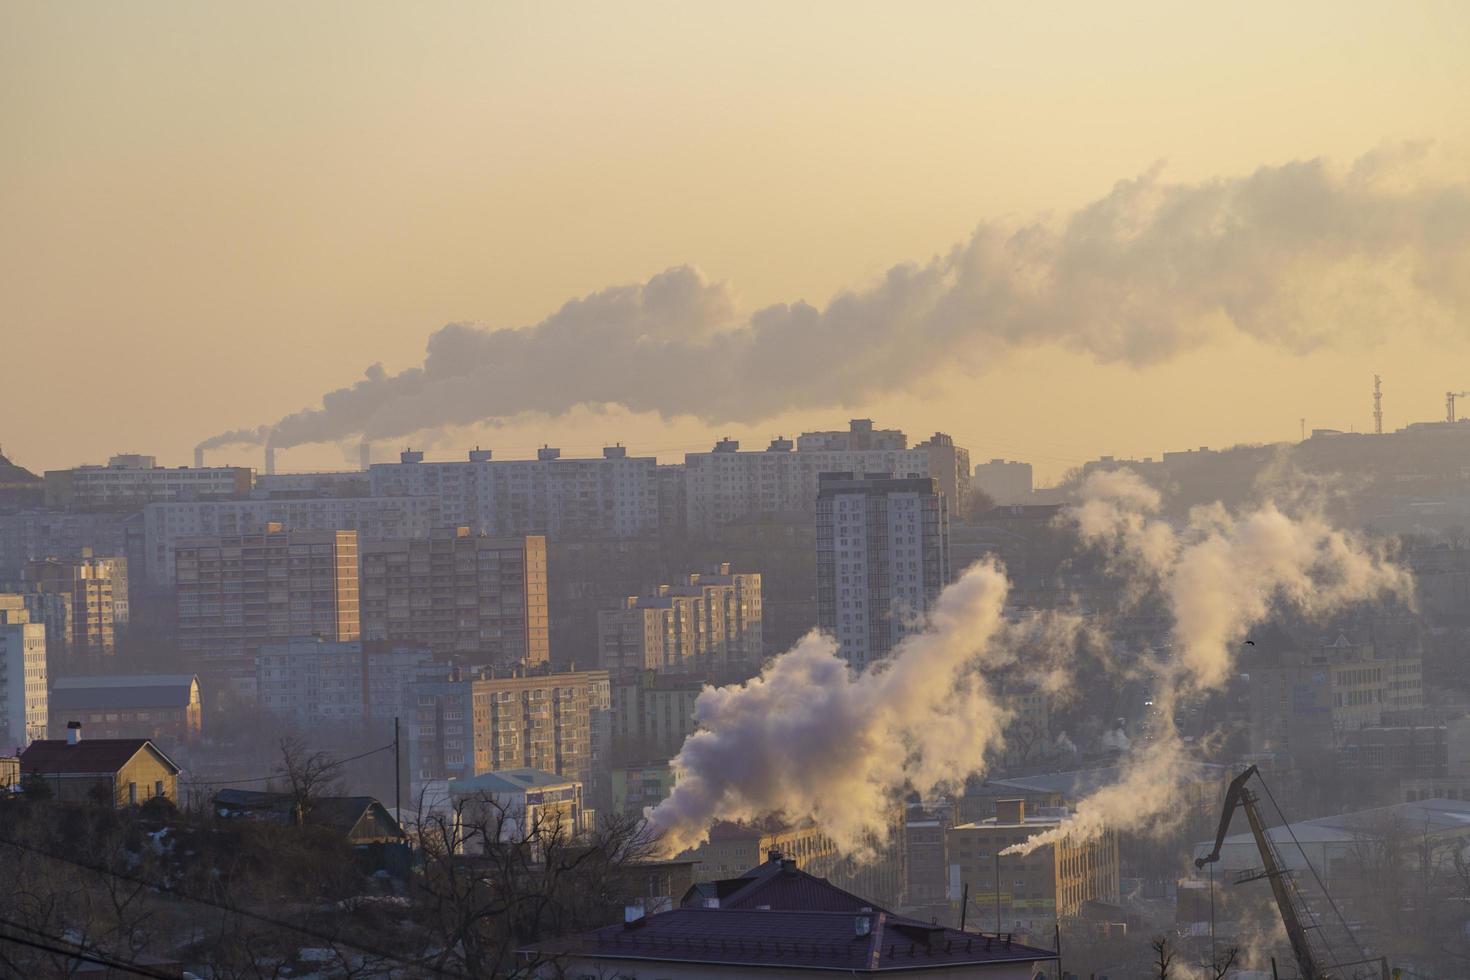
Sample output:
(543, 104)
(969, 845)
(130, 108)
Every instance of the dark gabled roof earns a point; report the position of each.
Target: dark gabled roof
(339, 813)
(778, 884)
(121, 693)
(788, 939)
(97, 755)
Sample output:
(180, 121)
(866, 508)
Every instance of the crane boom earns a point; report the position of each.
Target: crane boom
(1239, 795)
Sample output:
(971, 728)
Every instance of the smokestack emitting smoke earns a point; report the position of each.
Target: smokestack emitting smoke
(1292, 255)
(1220, 575)
(808, 739)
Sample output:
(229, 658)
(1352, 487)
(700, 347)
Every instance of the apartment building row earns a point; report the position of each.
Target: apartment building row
(130, 481)
(708, 624)
(727, 485)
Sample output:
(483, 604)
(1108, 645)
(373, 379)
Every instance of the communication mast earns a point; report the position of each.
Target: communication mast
(1377, 405)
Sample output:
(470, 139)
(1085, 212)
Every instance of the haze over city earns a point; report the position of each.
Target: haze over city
(692, 490)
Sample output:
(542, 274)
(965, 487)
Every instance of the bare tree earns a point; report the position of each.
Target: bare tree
(309, 775)
(496, 880)
(1163, 958)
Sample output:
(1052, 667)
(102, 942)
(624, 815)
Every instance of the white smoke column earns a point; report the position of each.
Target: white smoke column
(1296, 256)
(1220, 575)
(809, 738)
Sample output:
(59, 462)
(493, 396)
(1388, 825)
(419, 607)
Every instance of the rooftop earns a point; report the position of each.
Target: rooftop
(875, 942)
(98, 755)
(108, 691)
(776, 884)
(509, 781)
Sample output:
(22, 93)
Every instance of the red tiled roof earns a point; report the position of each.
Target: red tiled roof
(56, 755)
(787, 939)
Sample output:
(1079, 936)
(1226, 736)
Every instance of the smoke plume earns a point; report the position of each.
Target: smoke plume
(808, 738)
(1293, 255)
(1219, 575)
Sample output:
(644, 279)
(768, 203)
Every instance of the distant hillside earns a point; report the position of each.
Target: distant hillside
(12, 475)
(19, 487)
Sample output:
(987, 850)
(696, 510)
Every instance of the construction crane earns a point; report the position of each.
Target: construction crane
(1309, 946)
(1449, 403)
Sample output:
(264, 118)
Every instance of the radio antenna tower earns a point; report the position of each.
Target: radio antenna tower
(1377, 405)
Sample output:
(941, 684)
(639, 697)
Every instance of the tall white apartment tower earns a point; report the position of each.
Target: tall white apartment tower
(882, 559)
(23, 690)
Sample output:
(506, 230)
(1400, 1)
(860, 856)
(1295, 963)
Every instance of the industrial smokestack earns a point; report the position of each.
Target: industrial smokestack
(365, 454)
(270, 460)
(198, 457)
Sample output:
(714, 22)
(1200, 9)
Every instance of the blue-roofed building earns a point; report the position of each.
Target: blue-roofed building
(514, 802)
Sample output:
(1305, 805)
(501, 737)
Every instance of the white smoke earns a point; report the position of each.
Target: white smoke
(1219, 574)
(1295, 255)
(810, 739)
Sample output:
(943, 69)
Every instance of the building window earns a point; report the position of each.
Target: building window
(132, 792)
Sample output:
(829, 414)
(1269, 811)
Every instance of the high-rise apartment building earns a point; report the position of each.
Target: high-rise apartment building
(652, 715)
(23, 691)
(1033, 891)
(130, 481)
(882, 559)
(614, 495)
(374, 519)
(726, 485)
(239, 592)
(709, 624)
(82, 602)
(319, 682)
(491, 720)
(459, 593)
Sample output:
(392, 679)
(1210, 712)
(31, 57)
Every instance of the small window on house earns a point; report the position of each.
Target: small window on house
(158, 787)
(132, 792)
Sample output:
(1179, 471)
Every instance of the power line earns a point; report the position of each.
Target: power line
(77, 954)
(279, 923)
(281, 775)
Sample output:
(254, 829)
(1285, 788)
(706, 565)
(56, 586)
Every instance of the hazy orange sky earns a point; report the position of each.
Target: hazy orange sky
(210, 214)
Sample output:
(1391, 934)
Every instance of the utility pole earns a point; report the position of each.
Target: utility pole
(397, 779)
(997, 889)
(1377, 405)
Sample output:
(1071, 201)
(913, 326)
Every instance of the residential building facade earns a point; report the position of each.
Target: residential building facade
(726, 485)
(237, 593)
(82, 601)
(882, 559)
(316, 682)
(130, 481)
(615, 495)
(23, 691)
(709, 624)
(483, 599)
(489, 720)
(374, 519)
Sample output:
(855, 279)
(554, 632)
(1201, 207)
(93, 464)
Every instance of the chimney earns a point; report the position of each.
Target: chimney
(199, 457)
(73, 733)
(270, 460)
(774, 855)
(1010, 811)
